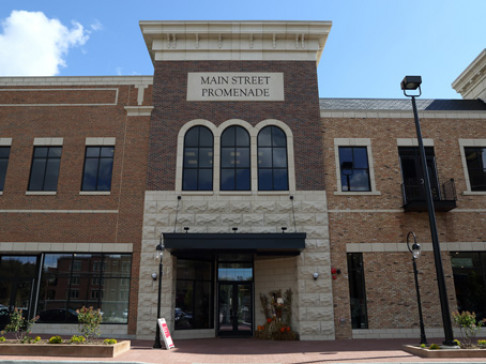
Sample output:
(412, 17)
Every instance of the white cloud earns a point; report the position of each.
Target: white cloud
(34, 45)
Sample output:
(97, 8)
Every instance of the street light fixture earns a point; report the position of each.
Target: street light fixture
(416, 250)
(159, 251)
(407, 84)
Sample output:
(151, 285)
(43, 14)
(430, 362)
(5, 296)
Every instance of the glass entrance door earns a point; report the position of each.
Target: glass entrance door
(235, 312)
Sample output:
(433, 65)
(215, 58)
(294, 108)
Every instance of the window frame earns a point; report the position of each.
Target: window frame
(46, 159)
(235, 146)
(470, 143)
(99, 158)
(272, 168)
(5, 143)
(355, 142)
(198, 168)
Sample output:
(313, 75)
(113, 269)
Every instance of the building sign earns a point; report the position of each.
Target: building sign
(235, 86)
(164, 331)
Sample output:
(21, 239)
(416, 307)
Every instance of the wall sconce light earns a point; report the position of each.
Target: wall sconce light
(283, 229)
(154, 276)
(235, 229)
(315, 276)
(186, 229)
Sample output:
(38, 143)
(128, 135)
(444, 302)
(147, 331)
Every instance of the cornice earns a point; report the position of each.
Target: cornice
(401, 114)
(235, 40)
(76, 80)
(471, 76)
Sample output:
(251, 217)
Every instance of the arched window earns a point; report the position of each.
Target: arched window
(235, 159)
(197, 171)
(272, 160)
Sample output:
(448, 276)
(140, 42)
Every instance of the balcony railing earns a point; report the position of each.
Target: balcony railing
(444, 196)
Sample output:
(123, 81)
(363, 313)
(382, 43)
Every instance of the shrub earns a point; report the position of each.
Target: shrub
(457, 342)
(468, 325)
(2, 339)
(75, 339)
(89, 322)
(434, 347)
(55, 340)
(37, 339)
(20, 326)
(423, 346)
(482, 344)
(109, 341)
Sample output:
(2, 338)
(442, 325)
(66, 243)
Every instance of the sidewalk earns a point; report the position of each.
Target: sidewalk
(243, 351)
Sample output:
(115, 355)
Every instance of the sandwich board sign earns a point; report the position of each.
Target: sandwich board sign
(164, 331)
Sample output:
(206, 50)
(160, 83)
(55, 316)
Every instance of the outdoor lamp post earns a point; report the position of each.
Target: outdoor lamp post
(159, 249)
(410, 83)
(416, 250)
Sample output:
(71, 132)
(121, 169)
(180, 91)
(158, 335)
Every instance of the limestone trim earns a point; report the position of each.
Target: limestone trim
(400, 114)
(253, 132)
(139, 110)
(358, 142)
(48, 141)
(65, 247)
(235, 40)
(101, 141)
(76, 81)
(12, 211)
(5, 142)
(463, 143)
(401, 247)
(413, 142)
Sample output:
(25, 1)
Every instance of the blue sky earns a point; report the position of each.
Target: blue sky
(372, 44)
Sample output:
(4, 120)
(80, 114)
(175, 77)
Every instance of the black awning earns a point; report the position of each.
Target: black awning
(260, 243)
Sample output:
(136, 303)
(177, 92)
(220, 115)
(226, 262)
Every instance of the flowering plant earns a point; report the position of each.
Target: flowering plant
(277, 308)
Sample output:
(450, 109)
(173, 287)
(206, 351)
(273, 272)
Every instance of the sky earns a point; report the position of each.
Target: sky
(372, 45)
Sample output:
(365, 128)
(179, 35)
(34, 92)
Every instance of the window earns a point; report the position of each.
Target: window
(412, 172)
(70, 281)
(469, 271)
(4, 155)
(197, 171)
(235, 159)
(353, 163)
(98, 167)
(272, 160)
(476, 167)
(45, 168)
(357, 291)
(194, 295)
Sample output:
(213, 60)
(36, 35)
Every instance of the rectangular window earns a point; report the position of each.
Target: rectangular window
(357, 291)
(476, 167)
(70, 281)
(4, 155)
(355, 174)
(44, 172)
(469, 271)
(98, 167)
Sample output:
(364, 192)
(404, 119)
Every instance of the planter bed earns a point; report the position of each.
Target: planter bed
(445, 353)
(72, 350)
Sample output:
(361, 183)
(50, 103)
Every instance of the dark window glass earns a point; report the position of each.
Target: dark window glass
(98, 168)
(235, 159)
(194, 295)
(476, 167)
(353, 163)
(272, 160)
(44, 172)
(357, 291)
(197, 171)
(412, 173)
(469, 270)
(4, 155)
(70, 281)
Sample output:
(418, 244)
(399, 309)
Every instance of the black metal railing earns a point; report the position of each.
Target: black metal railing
(444, 196)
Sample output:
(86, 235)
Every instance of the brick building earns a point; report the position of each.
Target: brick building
(254, 185)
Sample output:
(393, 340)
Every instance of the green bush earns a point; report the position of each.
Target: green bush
(469, 326)
(423, 346)
(2, 339)
(89, 322)
(20, 326)
(482, 344)
(75, 339)
(55, 340)
(457, 342)
(109, 341)
(434, 347)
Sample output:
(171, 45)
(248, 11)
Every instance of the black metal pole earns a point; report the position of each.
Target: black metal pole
(423, 339)
(444, 304)
(157, 344)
